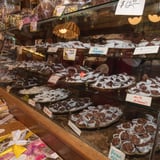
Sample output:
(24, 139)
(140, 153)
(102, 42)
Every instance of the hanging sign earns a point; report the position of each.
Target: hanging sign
(98, 50)
(58, 11)
(130, 7)
(146, 50)
(116, 154)
(74, 128)
(142, 100)
(69, 54)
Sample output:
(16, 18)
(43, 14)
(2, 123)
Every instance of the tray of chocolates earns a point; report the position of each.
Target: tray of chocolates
(52, 95)
(135, 137)
(112, 82)
(70, 105)
(96, 116)
(149, 87)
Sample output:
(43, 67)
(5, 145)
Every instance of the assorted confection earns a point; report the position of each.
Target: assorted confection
(116, 81)
(135, 137)
(70, 105)
(52, 95)
(148, 87)
(96, 116)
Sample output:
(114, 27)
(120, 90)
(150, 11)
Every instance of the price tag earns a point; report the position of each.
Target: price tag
(130, 7)
(146, 50)
(146, 101)
(58, 11)
(53, 79)
(116, 154)
(47, 112)
(8, 88)
(98, 50)
(52, 49)
(69, 54)
(32, 102)
(74, 128)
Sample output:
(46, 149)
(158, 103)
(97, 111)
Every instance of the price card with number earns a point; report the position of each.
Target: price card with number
(146, 101)
(47, 112)
(98, 50)
(52, 49)
(116, 154)
(146, 50)
(130, 7)
(74, 128)
(53, 79)
(69, 54)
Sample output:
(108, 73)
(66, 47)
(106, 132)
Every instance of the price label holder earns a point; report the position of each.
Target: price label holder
(52, 49)
(142, 100)
(47, 112)
(53, 79)
(116, 154)
(130, 7)
(74, 128)
(58, 10)
(32, 102)
(69, 54)
(146, 50)
(98, 50)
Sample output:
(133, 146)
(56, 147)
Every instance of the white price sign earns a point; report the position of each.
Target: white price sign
(53, 79)
(74, 128)
(52, 49)
(146, 50)
(146, 101)
(69, 54)
(47, 112)
(98, 50)
(130, 7)
(32, 102)
(116, 154)
(58, 10)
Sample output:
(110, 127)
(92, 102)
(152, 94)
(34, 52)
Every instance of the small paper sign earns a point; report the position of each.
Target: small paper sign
(69, 54)
(130, 7)
(98, 50)
(52, 49)
(58, 11)
(47, 112)
(32, 102)
(74, 128)
(146, 101)
(116, 154)
(53, 79)
(8, 88)
(146, 50)
(33, 26)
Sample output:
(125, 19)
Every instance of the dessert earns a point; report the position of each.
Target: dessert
(96, 116)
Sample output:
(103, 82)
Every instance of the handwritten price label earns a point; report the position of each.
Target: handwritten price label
(130, 7)
(116, 154)
(47, 112)
(146, 50)
(146, 101)
(74, 128)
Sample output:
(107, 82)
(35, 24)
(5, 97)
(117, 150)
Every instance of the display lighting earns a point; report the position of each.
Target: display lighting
(68, 30)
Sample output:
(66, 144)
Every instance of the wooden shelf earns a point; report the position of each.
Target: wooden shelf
(65, 144)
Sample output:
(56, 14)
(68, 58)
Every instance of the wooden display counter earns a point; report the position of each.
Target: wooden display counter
(65, 144)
